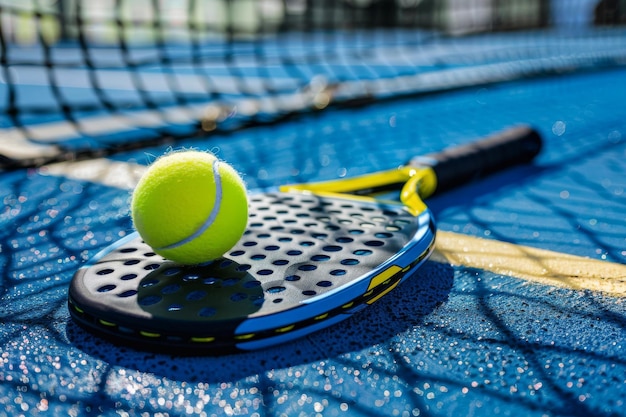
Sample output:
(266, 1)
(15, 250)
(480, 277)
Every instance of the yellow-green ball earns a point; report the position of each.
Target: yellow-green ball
(190, 207)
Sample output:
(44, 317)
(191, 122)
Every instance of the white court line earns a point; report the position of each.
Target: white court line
(40, 141)
(154, 82)
(117, 174)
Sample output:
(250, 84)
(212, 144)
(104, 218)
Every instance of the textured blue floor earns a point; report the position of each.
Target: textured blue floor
(449, 342)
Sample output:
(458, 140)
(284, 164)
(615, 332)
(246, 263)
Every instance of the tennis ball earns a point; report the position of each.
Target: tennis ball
(190, 207)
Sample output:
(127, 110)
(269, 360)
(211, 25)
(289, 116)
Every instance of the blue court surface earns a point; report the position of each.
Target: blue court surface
(459, 338)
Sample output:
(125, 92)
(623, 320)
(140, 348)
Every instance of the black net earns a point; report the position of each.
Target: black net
(81, 77)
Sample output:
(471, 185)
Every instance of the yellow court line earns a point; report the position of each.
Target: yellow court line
(524, 262)
(531, 264)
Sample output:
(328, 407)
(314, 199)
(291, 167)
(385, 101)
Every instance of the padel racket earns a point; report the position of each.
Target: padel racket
(312, 255)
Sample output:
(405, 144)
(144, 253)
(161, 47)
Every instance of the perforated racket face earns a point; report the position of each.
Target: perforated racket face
(304, 263)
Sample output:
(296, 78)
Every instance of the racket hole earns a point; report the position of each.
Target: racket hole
(265, 272)
(128, 250)
(272, 248)
(367, 225)
(320, 258)
(277, 289)
(207, 312)
(309, 293)
(151, 267)
(378, 219)
(292, 278)
(356, 232)
(285, 239)
(269, 218)
(149, 254)
(324, 284)
(237, 253)
(277, 228)
(128, 293)
(226, 263)
(338, 272)
(170, 289)
(345, 221)
(297, 232)
(256, 224)
(263, 235)
(307, 267)
(390, 213)
(344, 240)
(230, 282)
(191, 277)
(365, 208)
(294, 252)
(174, 307)
(150, 300)
(374, 243)
(238, 296)
(307, 243)
(149, 283)
(196, 295)
(128, 277)
(331, 248)
(350, 262)
(132, 262)
(277, 300)
(383, 235)
(258, 257)
(303, 215)
(106, 271)
(243, 267)
(323, 219)
(107, 288)
(392, 228)
(320, 236)
(362, 252)
(248, 244)
(280, 262)
(402, 223)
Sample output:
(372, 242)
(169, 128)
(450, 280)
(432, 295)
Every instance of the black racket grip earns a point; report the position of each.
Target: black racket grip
(460, 165)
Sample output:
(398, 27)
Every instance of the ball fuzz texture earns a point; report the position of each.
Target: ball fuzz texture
(190, 207)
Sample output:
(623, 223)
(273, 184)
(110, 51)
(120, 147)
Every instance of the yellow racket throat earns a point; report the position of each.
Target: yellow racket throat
(418, 184)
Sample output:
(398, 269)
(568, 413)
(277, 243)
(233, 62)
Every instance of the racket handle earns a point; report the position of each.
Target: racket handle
(457, 166)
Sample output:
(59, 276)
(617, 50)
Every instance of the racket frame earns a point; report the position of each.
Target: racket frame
(264, 330)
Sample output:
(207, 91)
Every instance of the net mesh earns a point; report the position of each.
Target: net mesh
(81, 78)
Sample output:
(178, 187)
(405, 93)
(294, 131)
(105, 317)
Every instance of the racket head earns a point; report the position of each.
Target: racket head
(304, 263)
